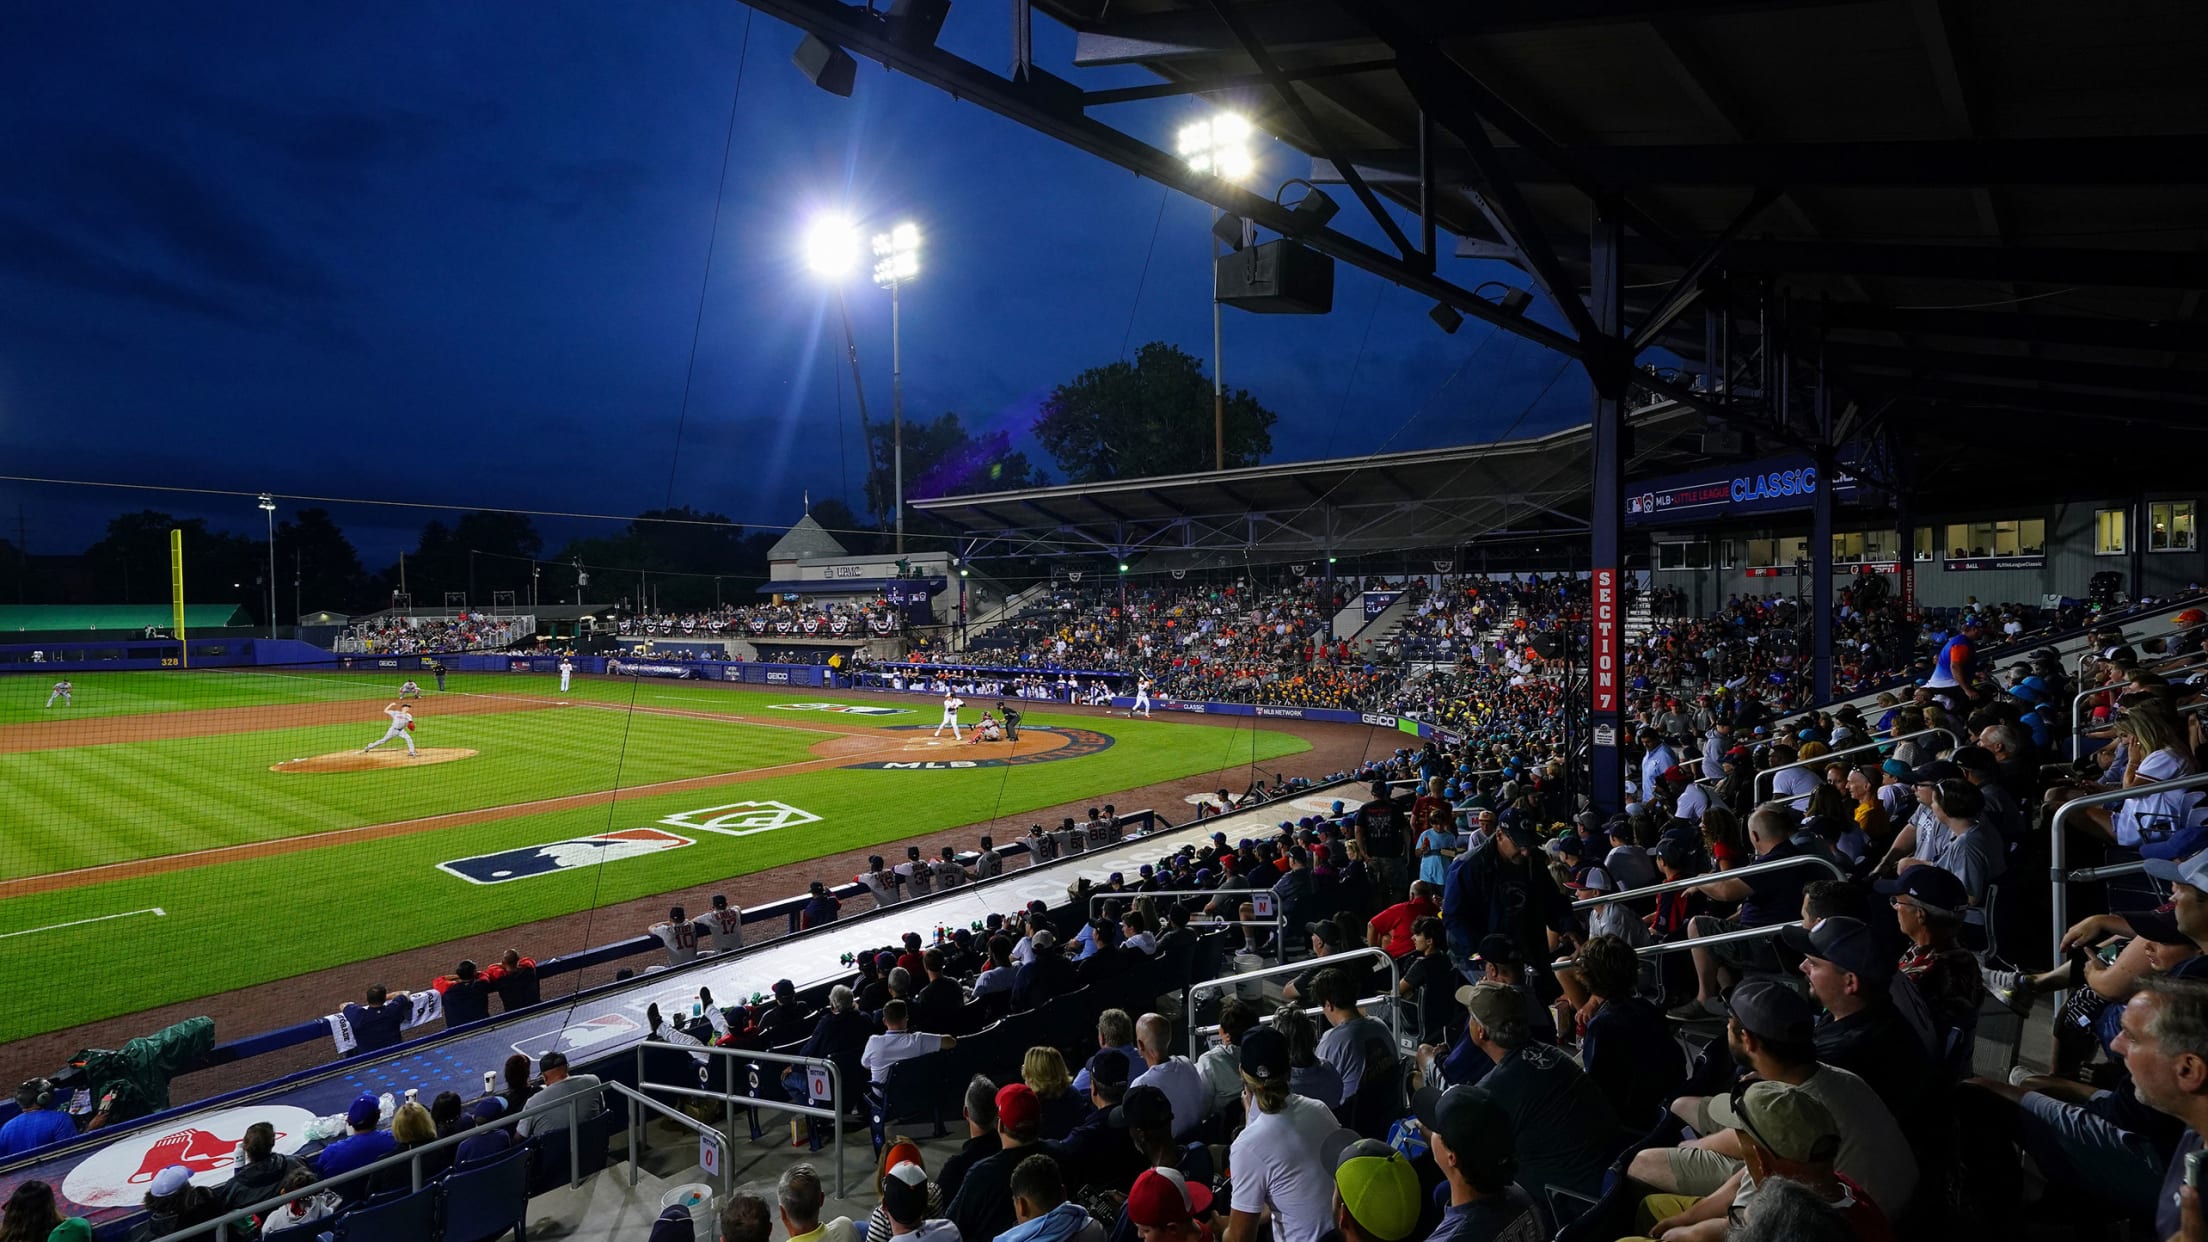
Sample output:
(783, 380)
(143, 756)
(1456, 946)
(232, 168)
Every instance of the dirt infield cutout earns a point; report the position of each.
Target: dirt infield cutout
(373, 761)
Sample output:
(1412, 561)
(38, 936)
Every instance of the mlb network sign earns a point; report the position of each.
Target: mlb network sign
(736, 819)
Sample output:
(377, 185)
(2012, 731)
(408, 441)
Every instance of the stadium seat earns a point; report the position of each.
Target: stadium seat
(551, 1167)
(400, 1216)
(484, 1201)
(1611, 1216)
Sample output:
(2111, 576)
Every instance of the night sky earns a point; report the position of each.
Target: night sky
(453, 253)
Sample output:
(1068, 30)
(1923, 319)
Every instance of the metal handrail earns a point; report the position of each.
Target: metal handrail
(729, 1098)
(220, 1226)
(1697, 881)
(1695, 942)
(1395, 1025)
(2058, 845)
(2094, 875)
(1279, 921)
(675, 1115)
(1953, 742)
(2077, 712)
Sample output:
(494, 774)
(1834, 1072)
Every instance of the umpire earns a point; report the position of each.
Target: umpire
(437, 668)
(1011, 718)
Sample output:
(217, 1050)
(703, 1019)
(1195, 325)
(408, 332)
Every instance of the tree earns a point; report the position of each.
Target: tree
(130, 563)
(943, 459)
(1149, 417)
(312, 550)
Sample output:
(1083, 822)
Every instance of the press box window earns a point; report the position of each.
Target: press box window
(2171, 526)
(2021, 537)
(2108, 532)
(1683, 555)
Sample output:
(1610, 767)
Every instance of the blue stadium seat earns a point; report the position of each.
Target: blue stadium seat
(484, 1201)
(401, 1216)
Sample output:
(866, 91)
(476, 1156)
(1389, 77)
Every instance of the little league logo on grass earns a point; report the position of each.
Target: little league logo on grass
(1078, 743)
(848, 709)
(741, 819)
(119, 1174)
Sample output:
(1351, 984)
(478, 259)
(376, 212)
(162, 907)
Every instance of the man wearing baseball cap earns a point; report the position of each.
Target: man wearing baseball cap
(1165, 1206)
(364, 1144)
(983, 1206)
(1276, 1157)
(905, 1203)
(1862, 1031)
(1928, 904)
(1502, 888)
(1472, 1146)
(1376, 1196)
(1565, 1131)
(1782, 1132)
(1770, 1035)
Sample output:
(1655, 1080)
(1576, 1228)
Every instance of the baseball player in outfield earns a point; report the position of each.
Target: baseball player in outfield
(402, 728)
(951, 704)
(1142, 697)
(62, 690)
(408, 690)
(567, 670)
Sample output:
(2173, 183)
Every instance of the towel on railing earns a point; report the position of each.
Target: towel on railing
(429, 1006)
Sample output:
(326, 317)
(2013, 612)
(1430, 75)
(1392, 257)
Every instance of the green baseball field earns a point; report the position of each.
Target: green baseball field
(174, 835)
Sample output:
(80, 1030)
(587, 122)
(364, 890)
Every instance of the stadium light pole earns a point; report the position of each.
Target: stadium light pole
(831, 251)
(1218, 146)
(268, 507)
(897, 260)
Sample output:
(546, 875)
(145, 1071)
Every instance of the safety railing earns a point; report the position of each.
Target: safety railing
(1764, 790)
(1199, 1035)
(732, 1100)
(1266, 907)
(2077, 712)
(1696, 942)
(1738, 873)
(2058, 844)
(571, 1105)
(637, 1100)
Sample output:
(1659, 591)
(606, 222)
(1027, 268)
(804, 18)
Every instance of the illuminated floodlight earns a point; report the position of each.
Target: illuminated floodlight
(897, 254)
(1219, 146)
(831, 246)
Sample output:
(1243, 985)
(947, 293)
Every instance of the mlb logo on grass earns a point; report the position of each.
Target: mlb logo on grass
(569, 855)
(741, 819)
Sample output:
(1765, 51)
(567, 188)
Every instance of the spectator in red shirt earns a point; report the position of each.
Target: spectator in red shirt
(1391, 928)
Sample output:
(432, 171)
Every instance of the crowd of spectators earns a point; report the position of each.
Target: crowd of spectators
(795, 620)
(1801, 1068)
(426, 635)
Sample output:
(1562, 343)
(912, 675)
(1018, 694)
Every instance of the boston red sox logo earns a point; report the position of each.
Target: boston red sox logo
(119, 1174)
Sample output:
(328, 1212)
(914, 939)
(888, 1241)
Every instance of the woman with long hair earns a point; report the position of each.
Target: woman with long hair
(1722, 838)
(30, 1215)
(1044, 1071)
(1308, 1076)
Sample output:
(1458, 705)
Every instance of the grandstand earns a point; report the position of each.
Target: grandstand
(1797, 825)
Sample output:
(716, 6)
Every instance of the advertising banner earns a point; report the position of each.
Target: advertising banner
(1735, 489)
(1376, 602)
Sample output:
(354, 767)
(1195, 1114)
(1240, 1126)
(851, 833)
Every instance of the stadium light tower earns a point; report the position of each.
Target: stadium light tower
(268, 506)
(831, 251)
(897, 260)
(1218, 146)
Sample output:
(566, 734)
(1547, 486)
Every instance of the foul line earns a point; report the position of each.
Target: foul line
(155, 911)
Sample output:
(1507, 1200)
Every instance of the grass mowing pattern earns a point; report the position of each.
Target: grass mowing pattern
(235, 923)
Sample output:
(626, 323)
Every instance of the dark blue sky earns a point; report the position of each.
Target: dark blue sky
(452, 253)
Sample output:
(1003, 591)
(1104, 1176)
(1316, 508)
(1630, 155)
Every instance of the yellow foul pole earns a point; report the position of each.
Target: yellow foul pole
(176, 594)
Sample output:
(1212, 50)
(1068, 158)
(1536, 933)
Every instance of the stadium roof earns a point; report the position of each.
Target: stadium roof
(806, 539)
(1437, 498)
(121, 618)
(1953, 209)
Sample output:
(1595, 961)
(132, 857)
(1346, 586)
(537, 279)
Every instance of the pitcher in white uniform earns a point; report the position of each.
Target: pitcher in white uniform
(567, 670)
(402, 728)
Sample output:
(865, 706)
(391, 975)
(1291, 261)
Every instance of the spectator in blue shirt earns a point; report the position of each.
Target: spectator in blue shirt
(364, 1146)
(38, 1124)
(376, 1024)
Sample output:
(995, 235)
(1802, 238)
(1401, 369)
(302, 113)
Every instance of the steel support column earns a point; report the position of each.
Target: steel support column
(2135, 544)
(1820, 551)
(1610, 368)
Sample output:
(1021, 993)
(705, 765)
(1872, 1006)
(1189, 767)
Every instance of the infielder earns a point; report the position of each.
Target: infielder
(62, 690)
(408, 690)
(1142, 697)
(402, 728)
(951, 704)
(567, 670)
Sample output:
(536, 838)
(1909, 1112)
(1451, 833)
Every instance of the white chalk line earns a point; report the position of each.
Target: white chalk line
(155, 911)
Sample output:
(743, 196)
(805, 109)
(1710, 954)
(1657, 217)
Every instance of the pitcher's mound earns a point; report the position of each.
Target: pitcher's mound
(373, 761)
